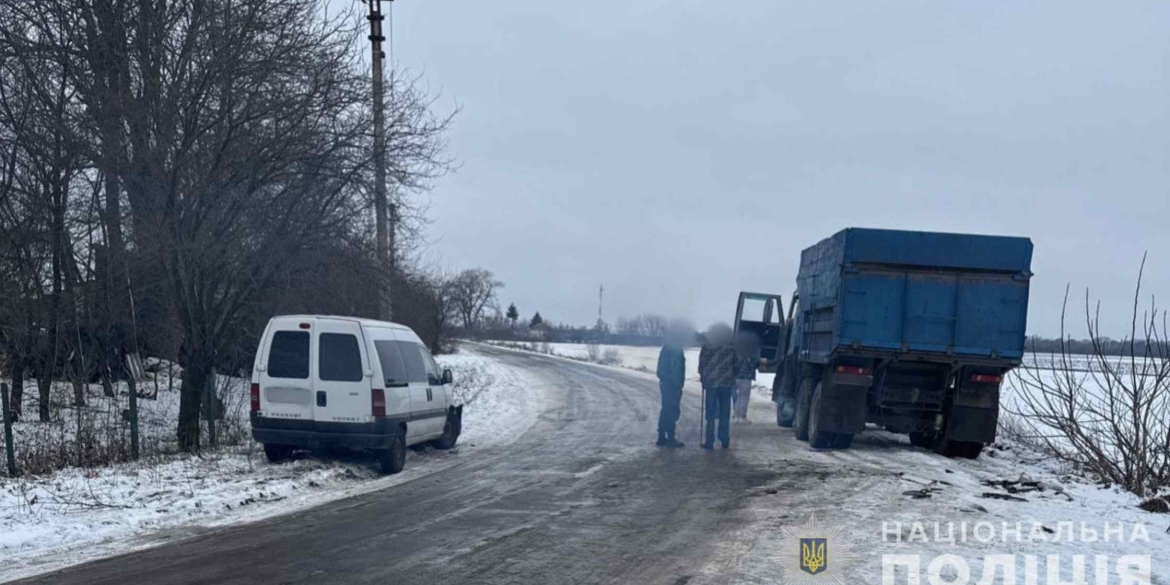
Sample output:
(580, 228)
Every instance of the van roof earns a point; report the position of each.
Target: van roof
(367, 322)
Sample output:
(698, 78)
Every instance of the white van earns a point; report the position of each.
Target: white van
(322, 381)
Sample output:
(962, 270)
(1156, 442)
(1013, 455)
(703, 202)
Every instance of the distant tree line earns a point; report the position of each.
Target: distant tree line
(645, 329)
(1101, 345)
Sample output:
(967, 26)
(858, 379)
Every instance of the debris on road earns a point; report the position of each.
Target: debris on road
(922, 494)
(995, 496)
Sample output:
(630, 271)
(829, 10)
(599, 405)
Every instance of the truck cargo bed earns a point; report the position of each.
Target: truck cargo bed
(921, 292)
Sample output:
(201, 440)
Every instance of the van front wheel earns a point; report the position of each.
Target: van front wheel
(450, 434)
(392, 460)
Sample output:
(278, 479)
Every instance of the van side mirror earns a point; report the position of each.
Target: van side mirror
(448, 378)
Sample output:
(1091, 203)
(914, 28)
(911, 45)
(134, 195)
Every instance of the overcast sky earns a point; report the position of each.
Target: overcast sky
(680, 151)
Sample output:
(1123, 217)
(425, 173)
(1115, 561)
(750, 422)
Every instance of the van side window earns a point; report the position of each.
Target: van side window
(289, 355)
(393, 370)
(429, 363)
(339, 358)
(416, 371)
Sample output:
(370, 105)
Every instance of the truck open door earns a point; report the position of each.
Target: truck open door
(762, 315)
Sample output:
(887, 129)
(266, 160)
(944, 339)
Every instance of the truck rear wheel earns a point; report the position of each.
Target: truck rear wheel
(818, 439)
(961, 449)
(803, 398)
(923, 440)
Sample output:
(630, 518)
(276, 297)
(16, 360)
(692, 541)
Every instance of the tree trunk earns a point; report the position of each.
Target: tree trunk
(107, 385)
(17, 388)
(78, 392)
(44, 385)
(195, 373)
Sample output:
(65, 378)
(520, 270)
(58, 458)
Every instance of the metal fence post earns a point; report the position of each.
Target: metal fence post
(132, 386)
(9, 448)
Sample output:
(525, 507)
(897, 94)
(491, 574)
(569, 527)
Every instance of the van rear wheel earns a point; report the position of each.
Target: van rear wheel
(277, 453)
(392, 460)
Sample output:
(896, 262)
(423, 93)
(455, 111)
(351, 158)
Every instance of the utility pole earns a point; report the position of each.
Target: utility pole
(600, 300)
(381, 212)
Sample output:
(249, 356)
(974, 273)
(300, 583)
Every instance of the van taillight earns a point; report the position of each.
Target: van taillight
(378, 402)
(986, 379)
(255, 398)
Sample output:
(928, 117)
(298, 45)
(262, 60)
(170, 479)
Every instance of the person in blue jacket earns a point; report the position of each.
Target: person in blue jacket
(672, 365)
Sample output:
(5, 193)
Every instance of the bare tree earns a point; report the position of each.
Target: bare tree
(645, 325)
(166, 169)
(473, 291)
(1111, 415)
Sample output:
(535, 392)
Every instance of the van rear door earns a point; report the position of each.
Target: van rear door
(341, 391)
(286, 390)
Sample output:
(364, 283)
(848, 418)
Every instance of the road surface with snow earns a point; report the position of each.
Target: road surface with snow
(584, 497)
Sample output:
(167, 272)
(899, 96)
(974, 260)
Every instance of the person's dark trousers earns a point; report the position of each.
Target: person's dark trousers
(668, 416)
(718, 406)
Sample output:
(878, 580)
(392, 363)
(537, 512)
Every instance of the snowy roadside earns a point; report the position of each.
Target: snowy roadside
(893, 499)
(77, 514)
(883, 482)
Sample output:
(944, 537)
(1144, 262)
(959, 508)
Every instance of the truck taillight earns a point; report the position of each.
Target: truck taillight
(857, 370)
(986, 379)
(378, 402)
(255, 398)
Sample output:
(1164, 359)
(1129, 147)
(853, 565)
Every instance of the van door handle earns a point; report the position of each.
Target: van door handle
(429, 395)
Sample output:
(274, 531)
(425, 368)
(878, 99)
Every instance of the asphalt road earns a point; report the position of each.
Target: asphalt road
(582, 497)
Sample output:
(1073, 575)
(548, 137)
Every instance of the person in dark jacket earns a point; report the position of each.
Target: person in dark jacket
(717, 364)
(671, 375)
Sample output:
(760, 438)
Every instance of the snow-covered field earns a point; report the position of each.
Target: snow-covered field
(76, 514)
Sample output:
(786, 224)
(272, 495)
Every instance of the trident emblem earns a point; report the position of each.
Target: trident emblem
(814, 557)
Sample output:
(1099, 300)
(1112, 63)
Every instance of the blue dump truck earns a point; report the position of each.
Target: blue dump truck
(910, 331)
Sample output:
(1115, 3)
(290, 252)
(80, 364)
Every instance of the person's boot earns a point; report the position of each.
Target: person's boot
(673, 442)
(726, 444)
(662, 442)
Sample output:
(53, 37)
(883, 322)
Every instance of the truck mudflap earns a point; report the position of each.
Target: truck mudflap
(842, 407)
(974, 416)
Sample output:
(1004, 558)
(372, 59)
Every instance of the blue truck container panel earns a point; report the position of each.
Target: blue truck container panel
(936, 293)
